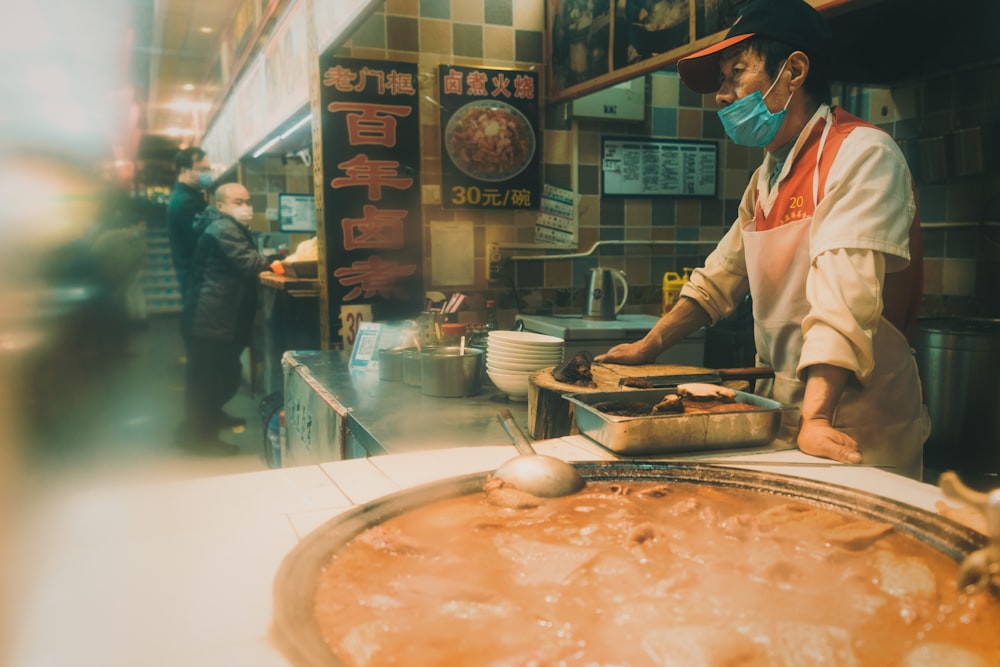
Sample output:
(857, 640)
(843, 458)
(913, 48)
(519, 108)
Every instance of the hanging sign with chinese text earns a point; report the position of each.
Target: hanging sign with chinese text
(371, 167)
(490, 152)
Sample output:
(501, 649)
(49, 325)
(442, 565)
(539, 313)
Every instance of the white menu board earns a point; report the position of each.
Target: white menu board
(639, 167)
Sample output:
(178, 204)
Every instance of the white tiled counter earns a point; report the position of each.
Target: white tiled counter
(180, 573)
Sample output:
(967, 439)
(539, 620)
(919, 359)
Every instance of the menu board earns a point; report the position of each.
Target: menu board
(658, 167)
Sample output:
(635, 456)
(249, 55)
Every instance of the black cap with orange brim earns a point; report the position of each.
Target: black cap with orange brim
(792, 22)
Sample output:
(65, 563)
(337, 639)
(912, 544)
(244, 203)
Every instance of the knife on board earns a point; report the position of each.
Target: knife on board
(717, 376)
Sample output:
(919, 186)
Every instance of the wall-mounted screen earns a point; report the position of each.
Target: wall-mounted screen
(296, 213)
(635, 167)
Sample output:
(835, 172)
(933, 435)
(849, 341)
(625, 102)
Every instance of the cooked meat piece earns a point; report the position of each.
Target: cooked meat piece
(699, 391)
(793, 514)
(857, 535)
(638, 383)
(670, 403)
(796, 644)
(624, 408)
(643, 532)
(501, 494)
(703, 406)
(392, 541)
(703, 646)
(905, 576)
(937, 655)
(656, 491)
(575, 371)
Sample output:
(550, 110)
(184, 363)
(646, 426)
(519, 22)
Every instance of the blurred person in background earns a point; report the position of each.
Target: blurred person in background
(194, 177)
(219, 309)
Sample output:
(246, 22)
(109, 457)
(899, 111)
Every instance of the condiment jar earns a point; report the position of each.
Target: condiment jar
(451, 333)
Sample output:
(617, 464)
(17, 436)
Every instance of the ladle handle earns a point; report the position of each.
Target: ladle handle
(520, 440)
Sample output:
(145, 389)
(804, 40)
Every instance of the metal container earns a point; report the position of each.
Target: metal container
(390, 364)
(412, 368)
(959, 364)
(450, 373)
(670, 433)
(298, 637)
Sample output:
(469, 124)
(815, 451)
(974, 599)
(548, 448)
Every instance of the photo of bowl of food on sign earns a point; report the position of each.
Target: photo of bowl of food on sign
(489, 140)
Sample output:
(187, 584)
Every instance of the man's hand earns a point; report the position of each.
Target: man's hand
(819, 438)
(631, 354)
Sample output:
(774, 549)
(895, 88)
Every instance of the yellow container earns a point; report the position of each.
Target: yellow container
(672, 284)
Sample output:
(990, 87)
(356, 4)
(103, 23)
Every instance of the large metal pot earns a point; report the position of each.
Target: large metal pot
(959, 360)
(294, 628)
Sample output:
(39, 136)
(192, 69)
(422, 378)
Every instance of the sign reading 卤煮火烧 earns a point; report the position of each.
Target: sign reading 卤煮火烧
(490, 152)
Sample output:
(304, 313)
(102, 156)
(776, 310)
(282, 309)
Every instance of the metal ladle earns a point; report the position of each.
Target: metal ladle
(534, 473)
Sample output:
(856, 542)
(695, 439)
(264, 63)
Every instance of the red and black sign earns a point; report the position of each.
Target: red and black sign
(371, 164)
(490, 148)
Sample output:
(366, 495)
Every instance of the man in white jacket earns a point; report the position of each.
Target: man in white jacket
(826, 241)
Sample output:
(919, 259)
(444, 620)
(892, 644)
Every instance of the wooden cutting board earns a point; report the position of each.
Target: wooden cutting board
(550, 416)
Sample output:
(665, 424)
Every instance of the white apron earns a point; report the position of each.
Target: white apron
(887, 417)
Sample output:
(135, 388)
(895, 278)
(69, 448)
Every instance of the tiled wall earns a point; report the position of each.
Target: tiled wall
(963, 263)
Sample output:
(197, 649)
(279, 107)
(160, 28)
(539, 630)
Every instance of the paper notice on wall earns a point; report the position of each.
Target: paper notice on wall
(452, 253)
(557, 223)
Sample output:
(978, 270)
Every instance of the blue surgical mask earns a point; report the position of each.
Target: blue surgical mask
(204, 179)
(749, 122)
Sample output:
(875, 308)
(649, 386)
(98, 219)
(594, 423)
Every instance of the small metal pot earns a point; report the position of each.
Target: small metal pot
(390, 364)
(449, 373)
(411, 368)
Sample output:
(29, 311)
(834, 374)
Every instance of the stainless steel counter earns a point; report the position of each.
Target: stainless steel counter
(333, 412)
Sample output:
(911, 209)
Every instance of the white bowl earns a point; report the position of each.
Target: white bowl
(515, 367)
(514, 385)
(548, 357)
(525, 338)
(519, 348)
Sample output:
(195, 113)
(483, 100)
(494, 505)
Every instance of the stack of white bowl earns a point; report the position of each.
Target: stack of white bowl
(512, 356)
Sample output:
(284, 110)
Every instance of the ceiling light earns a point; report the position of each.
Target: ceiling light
(299, 124)
(205, 29)
(266, 146)
(302, 121)
(188, 86)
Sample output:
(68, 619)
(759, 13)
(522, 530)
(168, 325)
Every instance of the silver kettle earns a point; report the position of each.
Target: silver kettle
(601, 303)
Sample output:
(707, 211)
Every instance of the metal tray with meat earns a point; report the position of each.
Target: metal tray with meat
(748, 421)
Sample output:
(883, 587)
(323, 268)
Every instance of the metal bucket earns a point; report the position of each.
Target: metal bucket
(411, 368)
(959, 362)
(449, 373)
(390, 365)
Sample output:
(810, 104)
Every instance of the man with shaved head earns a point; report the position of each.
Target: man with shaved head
(220, 304)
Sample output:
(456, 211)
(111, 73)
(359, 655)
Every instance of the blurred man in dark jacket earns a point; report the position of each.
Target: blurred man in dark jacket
(187, 199)
(219, 308)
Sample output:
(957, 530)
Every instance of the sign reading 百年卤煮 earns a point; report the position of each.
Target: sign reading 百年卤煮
(371, 168)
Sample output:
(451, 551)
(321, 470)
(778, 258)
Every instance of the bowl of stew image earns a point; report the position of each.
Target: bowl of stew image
(489, 140)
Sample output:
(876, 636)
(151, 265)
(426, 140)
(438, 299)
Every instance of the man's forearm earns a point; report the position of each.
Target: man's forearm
(824, 385)
(686, 317)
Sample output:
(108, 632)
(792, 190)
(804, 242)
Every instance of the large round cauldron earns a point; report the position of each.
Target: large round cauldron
(298, 637)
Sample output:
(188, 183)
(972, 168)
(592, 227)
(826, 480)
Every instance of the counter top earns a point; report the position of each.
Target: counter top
(393, 417)
(180, 573)
(299, 286)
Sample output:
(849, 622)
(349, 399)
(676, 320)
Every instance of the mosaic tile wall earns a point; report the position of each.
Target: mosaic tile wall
(962, 265)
